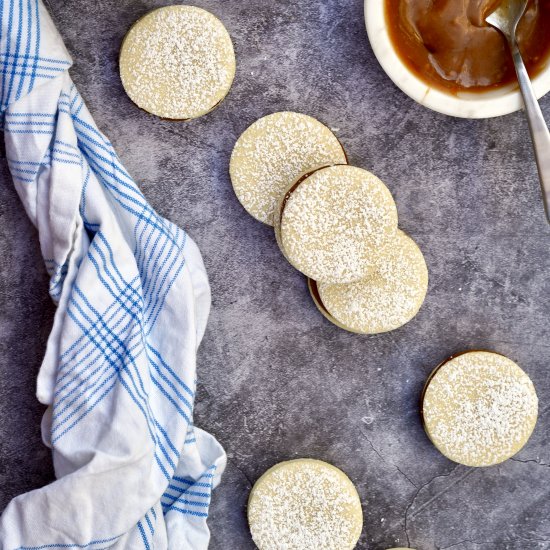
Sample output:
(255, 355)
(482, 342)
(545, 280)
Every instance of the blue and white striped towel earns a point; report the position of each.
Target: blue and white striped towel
(133, 299)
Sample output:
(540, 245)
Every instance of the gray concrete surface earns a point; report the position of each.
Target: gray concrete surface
(277, 380)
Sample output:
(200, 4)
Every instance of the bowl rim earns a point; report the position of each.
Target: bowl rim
(501, 101)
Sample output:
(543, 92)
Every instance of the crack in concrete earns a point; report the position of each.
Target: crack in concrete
(242, 472)
(470, 541)
(405, 520)
(441, 493)
(494, 542)
(542, 539)
(535, 461)
(432, 499)
(379, 454)
(406, 527)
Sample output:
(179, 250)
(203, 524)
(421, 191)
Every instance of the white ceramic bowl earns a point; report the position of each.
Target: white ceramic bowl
(499, 102)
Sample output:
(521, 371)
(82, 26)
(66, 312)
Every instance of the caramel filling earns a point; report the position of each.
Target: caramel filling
(448, 44)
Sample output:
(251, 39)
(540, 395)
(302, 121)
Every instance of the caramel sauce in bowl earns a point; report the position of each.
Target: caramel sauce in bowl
(419, 57)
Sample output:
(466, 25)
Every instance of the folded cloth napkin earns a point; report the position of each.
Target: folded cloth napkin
(133, 299)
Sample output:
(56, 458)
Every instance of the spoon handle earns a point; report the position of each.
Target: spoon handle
(537, 126)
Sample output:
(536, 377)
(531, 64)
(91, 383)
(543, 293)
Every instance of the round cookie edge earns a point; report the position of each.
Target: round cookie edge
(306, 460)
(233, 63)
(431, 376)
(321, 305)
(232, 162)
(285, 197)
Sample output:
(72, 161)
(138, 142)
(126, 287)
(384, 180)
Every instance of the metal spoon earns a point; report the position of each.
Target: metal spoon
(506, 18)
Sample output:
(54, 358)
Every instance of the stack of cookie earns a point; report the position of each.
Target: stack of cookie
(335, 223)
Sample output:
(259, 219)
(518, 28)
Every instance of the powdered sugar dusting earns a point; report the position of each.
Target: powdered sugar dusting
(304, 505)
(336, 222)
(177, 62)
(273, 152)
(480, 408)
(390, 295)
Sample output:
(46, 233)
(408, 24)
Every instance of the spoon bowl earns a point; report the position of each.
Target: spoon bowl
(507, 16)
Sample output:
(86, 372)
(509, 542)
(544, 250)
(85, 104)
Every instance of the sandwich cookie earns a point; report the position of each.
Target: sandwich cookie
(479, 408)
(389, 296)
(272, 153)
(333, 223)
(177, 62)
(304, 504)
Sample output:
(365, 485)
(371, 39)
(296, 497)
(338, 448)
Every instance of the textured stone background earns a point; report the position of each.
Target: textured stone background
(277, 380)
